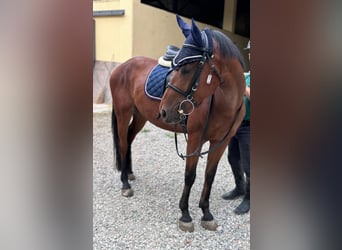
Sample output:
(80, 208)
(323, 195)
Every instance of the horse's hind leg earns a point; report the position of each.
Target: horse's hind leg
(136, 125)
(120, 122)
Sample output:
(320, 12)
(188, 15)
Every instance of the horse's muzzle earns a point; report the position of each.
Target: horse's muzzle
(170, 117)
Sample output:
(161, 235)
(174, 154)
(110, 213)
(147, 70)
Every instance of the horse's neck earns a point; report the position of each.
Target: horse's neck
(233, 85)
(228, 94)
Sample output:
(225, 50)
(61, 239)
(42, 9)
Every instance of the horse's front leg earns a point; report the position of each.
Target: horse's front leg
(208, 221)
(185, 222)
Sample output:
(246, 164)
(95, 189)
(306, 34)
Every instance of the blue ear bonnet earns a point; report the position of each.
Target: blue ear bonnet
(197, 46)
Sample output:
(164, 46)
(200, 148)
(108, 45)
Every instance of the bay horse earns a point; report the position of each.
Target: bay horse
(203, 99)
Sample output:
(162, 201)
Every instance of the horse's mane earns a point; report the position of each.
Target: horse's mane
(226, 46)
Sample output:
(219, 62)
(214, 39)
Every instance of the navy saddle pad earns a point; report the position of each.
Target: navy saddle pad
(155, 82)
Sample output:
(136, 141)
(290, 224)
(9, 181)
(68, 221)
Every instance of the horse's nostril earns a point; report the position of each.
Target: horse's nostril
(163, 113)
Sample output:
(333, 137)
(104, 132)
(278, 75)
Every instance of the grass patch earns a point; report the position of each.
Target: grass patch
(145, 130)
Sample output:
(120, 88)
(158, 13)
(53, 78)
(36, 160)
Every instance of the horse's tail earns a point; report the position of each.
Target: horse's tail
(116, 141)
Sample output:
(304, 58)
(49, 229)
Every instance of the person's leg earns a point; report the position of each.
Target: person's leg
(234, 161)
(244, 147)
(245, 204)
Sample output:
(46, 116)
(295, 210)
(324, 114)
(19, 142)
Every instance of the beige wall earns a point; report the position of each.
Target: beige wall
(113, 39)
(153, 30)
(145, 30)
(229, 15)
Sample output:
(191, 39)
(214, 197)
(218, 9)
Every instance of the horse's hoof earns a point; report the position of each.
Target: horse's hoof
(127, 192)
(186, 226)
(210, 225)
(131, 177)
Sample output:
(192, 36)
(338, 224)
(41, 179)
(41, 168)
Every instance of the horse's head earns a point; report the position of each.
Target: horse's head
(195, 73)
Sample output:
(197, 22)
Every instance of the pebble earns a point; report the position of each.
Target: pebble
(149, 219)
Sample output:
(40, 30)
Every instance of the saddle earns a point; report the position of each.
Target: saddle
(167, 58)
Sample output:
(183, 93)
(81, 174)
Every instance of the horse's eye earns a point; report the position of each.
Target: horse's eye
(185, 69)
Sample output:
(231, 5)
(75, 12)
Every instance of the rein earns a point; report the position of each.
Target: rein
(200, 154)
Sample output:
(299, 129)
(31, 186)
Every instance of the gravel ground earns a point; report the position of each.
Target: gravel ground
(148, 220)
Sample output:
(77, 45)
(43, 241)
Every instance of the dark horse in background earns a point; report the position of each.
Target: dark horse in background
(204, 99)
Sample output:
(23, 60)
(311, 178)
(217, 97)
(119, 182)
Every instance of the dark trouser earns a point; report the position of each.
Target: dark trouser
(239, 151)
(238, 157)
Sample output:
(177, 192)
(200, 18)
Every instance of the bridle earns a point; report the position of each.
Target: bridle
(207, 57)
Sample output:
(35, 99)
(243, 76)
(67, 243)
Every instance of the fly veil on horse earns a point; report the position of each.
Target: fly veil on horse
(204, 99)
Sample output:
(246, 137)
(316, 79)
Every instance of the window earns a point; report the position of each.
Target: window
(242, 18)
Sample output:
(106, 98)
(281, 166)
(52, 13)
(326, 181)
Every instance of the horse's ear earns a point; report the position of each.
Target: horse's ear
(186, 29)
(196, 33)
